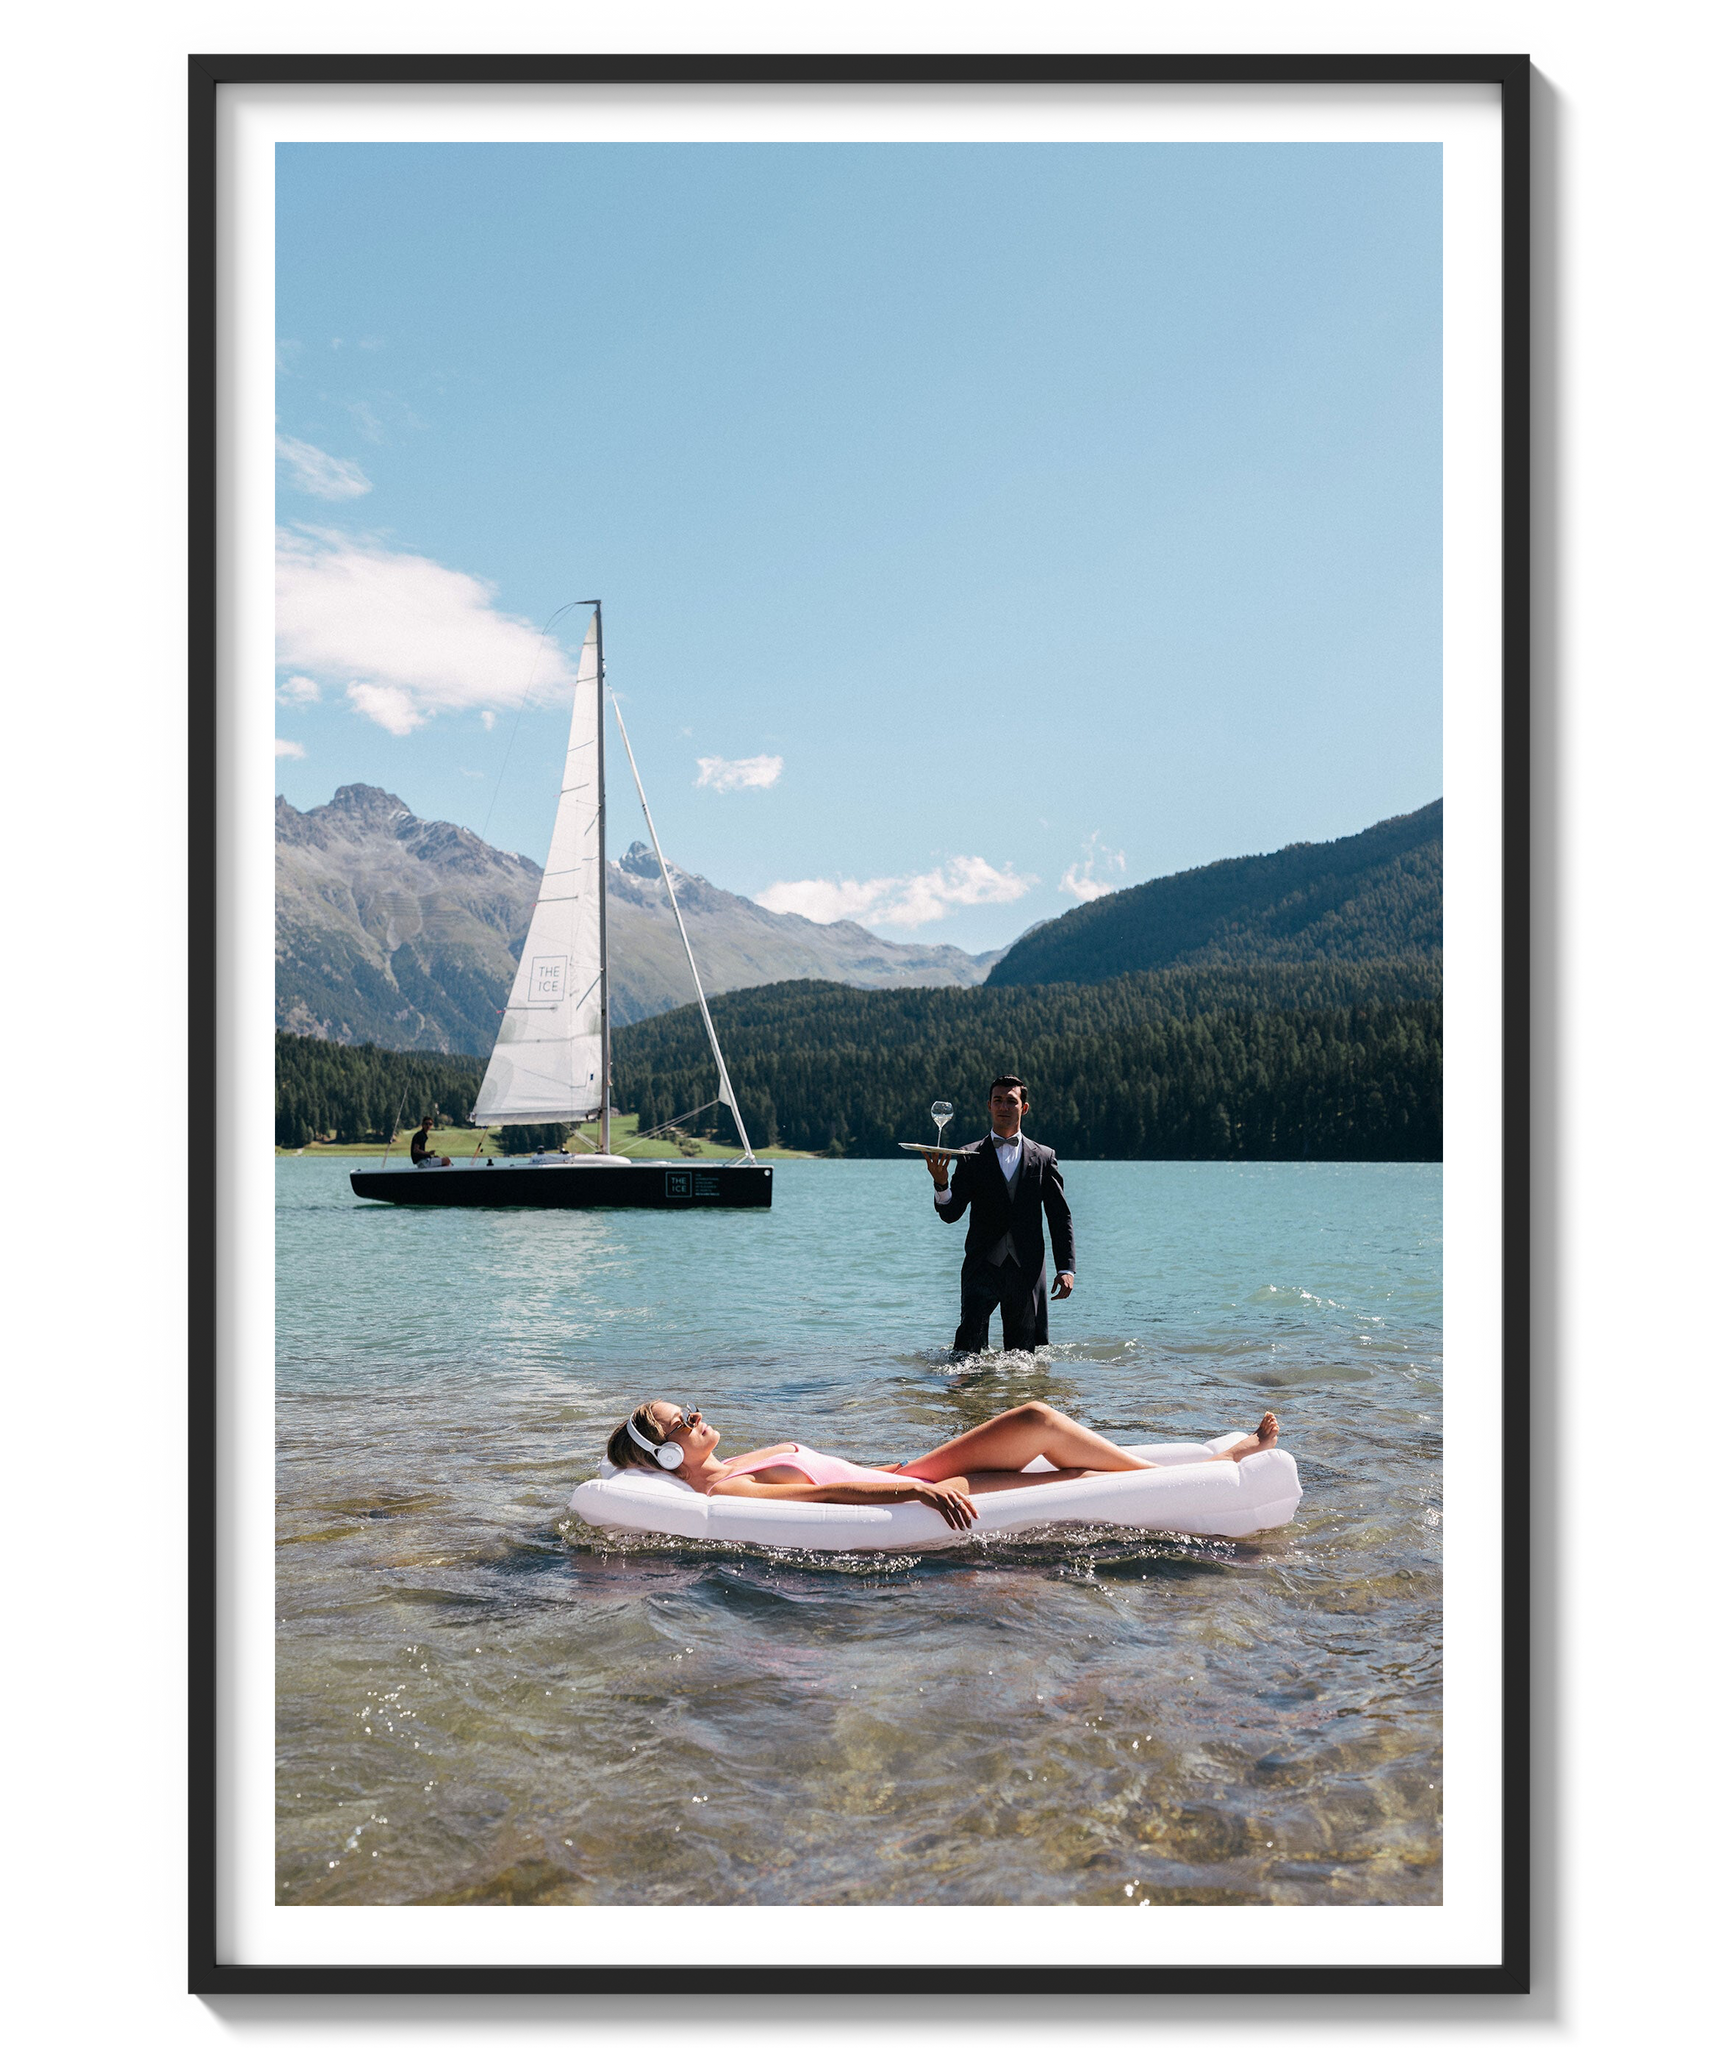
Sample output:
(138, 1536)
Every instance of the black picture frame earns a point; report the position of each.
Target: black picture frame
(1510, 75)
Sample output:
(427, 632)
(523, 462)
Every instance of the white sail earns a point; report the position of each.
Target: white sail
(547, 1066)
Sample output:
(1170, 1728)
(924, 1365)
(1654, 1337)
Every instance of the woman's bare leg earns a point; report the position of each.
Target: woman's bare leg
(1036, 1430)
(1011, 1482)
(1015, 1438)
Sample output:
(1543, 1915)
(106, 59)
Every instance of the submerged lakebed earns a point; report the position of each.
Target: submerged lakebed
(480, 1699)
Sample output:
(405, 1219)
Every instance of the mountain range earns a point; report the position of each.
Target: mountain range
(1377, 895)
(405, 932)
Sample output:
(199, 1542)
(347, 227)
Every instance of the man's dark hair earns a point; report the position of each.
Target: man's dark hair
(1009, 1081)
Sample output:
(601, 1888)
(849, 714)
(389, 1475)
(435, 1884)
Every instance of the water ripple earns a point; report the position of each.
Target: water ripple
(481, 1700)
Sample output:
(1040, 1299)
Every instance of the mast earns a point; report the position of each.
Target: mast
(602, 876)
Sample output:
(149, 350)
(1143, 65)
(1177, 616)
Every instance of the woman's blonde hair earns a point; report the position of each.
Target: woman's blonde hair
(622, 1451)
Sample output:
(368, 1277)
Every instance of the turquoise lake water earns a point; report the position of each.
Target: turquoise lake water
(481, 1699)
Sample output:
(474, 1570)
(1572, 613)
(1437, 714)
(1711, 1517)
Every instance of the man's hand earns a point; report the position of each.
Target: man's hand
(938, 1164)
(1063, 1288)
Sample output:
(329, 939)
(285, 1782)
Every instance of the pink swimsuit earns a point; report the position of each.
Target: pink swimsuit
(816, 1466)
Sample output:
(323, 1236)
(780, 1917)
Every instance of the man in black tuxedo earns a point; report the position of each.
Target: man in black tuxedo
(1011, 1188)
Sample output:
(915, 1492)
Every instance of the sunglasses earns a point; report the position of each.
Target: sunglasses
(689, 1414)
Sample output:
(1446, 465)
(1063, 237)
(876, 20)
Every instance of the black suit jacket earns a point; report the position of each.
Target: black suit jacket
(980, 1193)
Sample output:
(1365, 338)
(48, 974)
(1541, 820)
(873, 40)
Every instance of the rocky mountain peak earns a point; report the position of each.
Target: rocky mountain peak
(407, 930)
(356, 811)
(364, 804)
(290, 828)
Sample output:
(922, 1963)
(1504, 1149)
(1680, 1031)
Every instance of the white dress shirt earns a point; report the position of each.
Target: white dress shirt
(1007, 1157)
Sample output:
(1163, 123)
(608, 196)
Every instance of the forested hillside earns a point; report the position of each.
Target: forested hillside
(351, 1092)
(1377, 895)
(1330, 1061)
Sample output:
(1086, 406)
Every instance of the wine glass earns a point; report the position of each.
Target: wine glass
(940, 1114)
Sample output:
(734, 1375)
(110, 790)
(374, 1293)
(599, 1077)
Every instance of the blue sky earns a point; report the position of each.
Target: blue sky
(977, 526)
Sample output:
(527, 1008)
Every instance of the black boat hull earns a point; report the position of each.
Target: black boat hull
(656, 1184)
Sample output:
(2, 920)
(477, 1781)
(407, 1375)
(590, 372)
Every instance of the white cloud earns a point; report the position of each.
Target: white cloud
(1100, 873)
(288, 750)
(298, 690)
(756, 771)
(391, 708)
(322, 476)
(907, 900)
(404, 636)
(488, 718)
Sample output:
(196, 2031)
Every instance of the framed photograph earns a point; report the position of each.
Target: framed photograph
(848, 647)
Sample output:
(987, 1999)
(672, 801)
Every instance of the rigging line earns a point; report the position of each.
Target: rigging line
(518, 716)
(715, 1102)
(394, 1127)
(656, 1130)
(725, 1085)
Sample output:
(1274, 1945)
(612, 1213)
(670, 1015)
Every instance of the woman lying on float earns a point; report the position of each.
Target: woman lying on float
(988, 1459)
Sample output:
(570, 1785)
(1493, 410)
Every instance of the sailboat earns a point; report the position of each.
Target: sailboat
(551, 1061)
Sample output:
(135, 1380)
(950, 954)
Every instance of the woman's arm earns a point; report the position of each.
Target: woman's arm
(948, 1496)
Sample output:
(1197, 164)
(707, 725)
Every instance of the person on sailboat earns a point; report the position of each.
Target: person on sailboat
(676, 1438)
(422, 1153)
(1011, 1189)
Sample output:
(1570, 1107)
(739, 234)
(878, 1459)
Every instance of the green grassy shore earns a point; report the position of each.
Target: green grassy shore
(454, 1143)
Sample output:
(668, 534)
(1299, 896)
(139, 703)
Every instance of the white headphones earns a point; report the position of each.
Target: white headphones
(668, 1456)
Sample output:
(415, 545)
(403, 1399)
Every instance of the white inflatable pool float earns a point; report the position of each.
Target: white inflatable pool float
(1185, 1495)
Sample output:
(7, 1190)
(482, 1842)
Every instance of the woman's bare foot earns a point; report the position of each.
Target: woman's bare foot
(1261, 1440)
